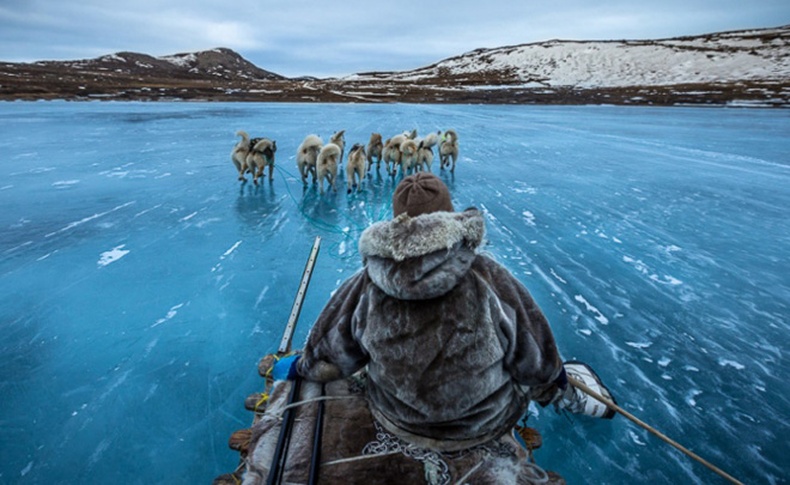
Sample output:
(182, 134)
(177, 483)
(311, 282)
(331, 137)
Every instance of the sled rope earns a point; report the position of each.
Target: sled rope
(371, 215)
(318, 223)
(358, 457)
(611, 405)
(262, 400)
(469, 473)
(317, 399)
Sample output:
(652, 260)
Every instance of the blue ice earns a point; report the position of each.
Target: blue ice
(140, 282)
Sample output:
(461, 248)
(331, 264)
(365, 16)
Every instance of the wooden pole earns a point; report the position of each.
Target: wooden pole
(283, 441)
(285, 343)
(611, 405)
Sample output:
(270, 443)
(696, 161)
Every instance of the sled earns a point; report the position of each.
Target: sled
(306, 432)
(353, 448)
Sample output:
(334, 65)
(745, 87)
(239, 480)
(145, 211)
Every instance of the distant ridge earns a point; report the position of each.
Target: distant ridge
(220, 62)
(734, 68)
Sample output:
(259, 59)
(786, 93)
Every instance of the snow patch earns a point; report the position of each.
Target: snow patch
(186, 218)
(113, 255)
(63, 184)
(691, 397)
(642, 268)
(666, 280)
(731, 363)
(529, 218)
(230, 251)
(528, 190)
(598, 315)
(170, 314)
(636, 439)
(555, 275)
(639, 345)
(180, 61)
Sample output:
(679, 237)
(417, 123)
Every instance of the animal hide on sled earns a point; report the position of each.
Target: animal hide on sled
(356, 449)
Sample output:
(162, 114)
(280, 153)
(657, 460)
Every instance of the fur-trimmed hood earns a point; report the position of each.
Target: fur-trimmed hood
(418, 258)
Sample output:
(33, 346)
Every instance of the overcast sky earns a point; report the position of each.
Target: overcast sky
(320, 38)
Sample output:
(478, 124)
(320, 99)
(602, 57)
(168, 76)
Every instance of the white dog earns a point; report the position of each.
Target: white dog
(391, 153)
(374, 150)
(326, 166)
(239, 154)
(408, 156)
(430, 140)
(448, 150)
(261, 156)
(355, 167)
(339, 139)
(307, 155)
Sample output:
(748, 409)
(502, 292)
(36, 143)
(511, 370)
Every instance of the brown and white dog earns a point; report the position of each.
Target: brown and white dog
(307, 156)
(339, 139)
(374, 150)
(326, 166)
(261, 155)
(239, 154)
(448, 150)
(355, 167)
(424, 159)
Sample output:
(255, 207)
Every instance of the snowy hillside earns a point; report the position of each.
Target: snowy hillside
(724, 57)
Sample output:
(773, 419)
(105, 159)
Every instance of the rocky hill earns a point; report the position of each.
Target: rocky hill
(726, 68)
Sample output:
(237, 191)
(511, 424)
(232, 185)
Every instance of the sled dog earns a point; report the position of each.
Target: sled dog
(448, 150)
(261, 156)
(307, 155)
(408, 156)
(339, 139)
(355, 167)
(391, 153)
(430, 140)
(326, 166)
(239, 154)
(374, 150)
(424, 158)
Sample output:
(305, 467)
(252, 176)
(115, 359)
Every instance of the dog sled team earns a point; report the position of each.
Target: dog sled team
(404, 154)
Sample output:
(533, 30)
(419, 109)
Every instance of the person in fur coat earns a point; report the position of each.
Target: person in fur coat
(455, 347)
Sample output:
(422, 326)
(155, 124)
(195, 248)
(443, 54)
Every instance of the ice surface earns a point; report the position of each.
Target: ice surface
(140, 283)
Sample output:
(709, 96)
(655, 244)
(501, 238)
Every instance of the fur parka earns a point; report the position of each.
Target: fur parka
(455, 346)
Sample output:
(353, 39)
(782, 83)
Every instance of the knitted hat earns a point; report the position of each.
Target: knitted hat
(421, 193)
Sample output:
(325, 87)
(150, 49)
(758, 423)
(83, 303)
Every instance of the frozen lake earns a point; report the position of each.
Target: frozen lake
(140, 283)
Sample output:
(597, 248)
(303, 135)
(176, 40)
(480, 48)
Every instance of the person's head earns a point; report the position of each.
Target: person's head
(421, 193)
